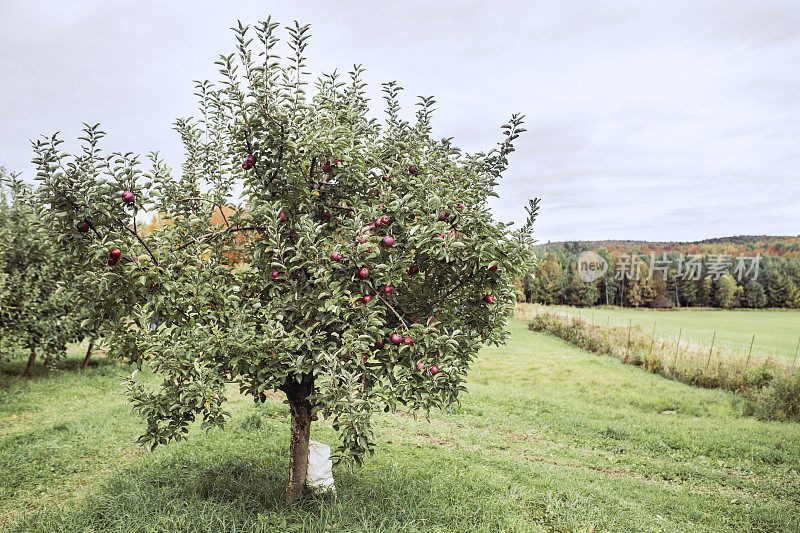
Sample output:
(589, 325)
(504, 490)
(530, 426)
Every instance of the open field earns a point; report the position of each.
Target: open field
(776, 331)
(550, 438)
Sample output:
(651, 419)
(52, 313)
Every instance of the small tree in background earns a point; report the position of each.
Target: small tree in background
(725, 296)
(754, 295)
(356, 267)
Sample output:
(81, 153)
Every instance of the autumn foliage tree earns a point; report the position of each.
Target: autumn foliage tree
(369, 267)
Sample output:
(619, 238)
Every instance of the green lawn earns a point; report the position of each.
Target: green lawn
(550, 438)
(776, 331)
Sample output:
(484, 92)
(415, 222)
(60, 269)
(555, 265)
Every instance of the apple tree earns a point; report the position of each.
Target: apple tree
(37, 309)
(354, 264)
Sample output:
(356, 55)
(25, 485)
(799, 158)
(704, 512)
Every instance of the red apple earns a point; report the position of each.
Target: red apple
(388, 290)
(115, 254)
(326, 168)
(413, 269)
(434, 370)
(363, 272)
(385, 220)
(127, 197)
(385, 178)
(83, 226)
(365, 356)
(275, 274)
(336, 256)
(245, 165)
(361, 238)
(493, 268)
(444, 216)
(412, 170)
(366, 299)
(111, 261)
(489, 298)
(420, 366)
(408, 341)
(250, 160)
(395, 338)
(282, 216)
(388, 241)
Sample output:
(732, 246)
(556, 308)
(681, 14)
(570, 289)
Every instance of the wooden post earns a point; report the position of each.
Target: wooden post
(712, 349)
(795, 354)
(628, 347)
(751, 351)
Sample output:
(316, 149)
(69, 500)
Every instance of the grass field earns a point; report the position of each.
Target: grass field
(776, 331)
(550, 438)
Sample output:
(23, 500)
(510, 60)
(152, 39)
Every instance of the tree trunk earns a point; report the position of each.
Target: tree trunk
(85, 362)
(300, 408)
(27, 372)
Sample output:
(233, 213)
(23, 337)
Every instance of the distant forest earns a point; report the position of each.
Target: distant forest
(743, 271)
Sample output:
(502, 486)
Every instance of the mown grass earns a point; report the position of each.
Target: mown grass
(776, 330)
(550, 438)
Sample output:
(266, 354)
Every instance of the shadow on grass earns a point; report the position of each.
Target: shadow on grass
(9, 371)
(233, 481)
(195, 491)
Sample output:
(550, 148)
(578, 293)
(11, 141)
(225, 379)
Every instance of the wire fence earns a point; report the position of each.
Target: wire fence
(747, 355)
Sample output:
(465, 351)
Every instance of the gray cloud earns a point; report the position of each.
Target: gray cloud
(663, 121)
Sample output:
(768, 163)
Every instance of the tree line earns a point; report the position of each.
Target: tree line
(773, 282)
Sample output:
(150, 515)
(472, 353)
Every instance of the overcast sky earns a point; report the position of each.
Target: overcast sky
(673, 120)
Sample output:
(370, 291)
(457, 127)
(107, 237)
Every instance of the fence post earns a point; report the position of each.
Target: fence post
(630, 325)
(712, 349)
(652, 340)
(750, 352)
(795, 354)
